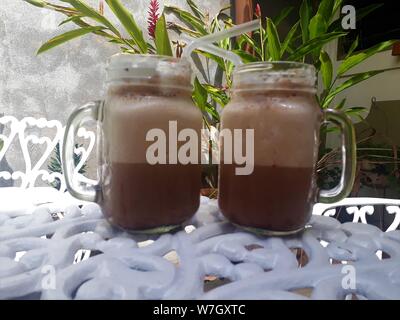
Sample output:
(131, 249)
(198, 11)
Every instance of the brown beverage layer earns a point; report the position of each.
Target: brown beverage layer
(271, 198)
(142, 196)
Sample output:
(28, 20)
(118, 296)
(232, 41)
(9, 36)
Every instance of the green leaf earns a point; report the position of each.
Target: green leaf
(340, 106)
(353, 47)
(246, 39)
(274, 44)
(70, 19)
(349, 83)
(200, 97)
(56, 41)
(305, 16)
(246, 57)
(209, 108)
(195, 9)
(356, 59)
(182, 29)
(199, 26)
(221, 15)
(1, 144)
(326, 69)
(355, 110)
(336, 7)
(289, 37)
(282, 15)
(163, 45)
(187, 18)
(129, 23)
(325, 9)
(86, 10)
(317, 26)
(37, 3)
(199, 94)
(217, 94)
(311, 45)
(213, 57)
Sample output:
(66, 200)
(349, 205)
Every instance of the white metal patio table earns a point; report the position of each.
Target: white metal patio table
(71, 252)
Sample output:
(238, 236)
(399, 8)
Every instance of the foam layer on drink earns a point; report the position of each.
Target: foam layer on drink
(286, 126)
(130, 115)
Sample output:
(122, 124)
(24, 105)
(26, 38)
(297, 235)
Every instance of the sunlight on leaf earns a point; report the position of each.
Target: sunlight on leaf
(56, 41)
(163, 44)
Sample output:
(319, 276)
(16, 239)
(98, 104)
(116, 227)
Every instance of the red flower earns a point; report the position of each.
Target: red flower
(257, 12)
(153, 17)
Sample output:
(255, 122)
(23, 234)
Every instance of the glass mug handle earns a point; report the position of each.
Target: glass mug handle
(349, 157)
(90, 111)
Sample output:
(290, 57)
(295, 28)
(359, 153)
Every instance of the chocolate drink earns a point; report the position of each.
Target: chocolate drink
(136, 195)
(277, 197)
(143, 196)
(274, 198)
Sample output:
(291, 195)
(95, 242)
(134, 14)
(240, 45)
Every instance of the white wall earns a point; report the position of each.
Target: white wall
(51, 85)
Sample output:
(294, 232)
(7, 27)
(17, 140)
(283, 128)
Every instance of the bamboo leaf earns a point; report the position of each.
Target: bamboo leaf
(356, 59)
(349, 83)
(336, 7)
(326, 69)
(56, 41)
(182, 29)
(353, 47)
(37, 3)
(246, 57)
(163, 44)
(86, 10)
(289, 37)
(246, 39)
(199, 26)
(129, 23)
(274, 43)
(317, 26)
(217, 94)
(213, 57)
(209, 108)
(311, 45)
(195, 9)
(305, 16)
(70, 19)
(187, 18)
(340, 106)
(200, 96)
(355, 110)
(282, 15)
(325, 9)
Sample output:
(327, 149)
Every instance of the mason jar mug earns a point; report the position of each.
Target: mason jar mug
(277, 101)
(147, 95)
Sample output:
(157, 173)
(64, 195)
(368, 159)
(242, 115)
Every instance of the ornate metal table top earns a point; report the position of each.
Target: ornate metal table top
(76, 254)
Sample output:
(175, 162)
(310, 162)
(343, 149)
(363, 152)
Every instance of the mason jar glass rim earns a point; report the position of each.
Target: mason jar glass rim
(124, 66)
(282, 75)
(276, 66)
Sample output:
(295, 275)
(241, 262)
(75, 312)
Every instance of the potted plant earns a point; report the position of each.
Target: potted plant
(316, 27)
